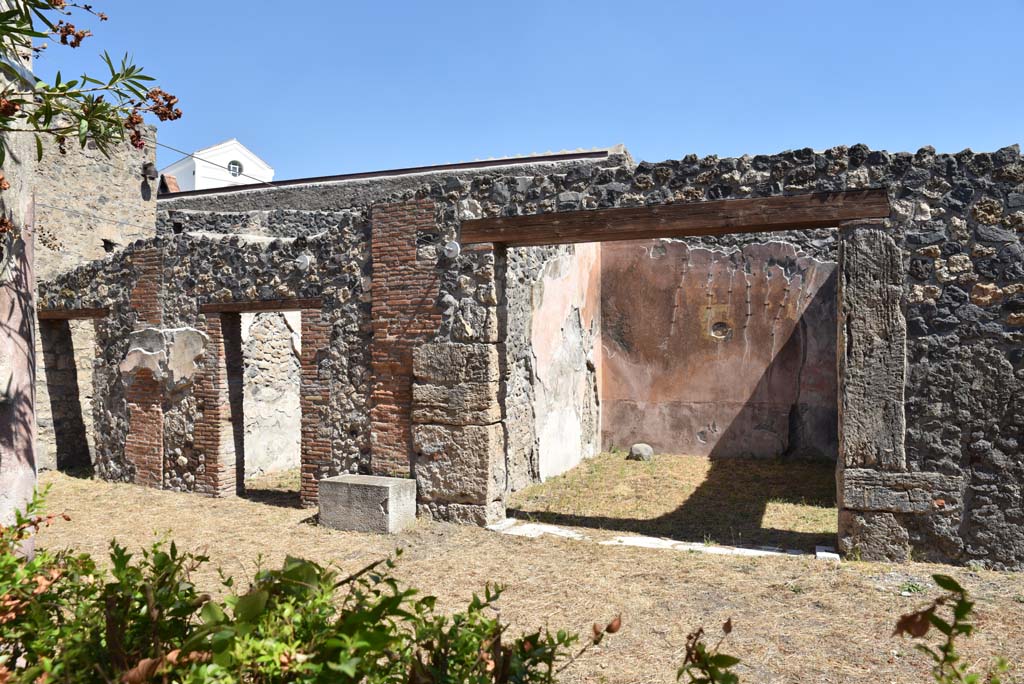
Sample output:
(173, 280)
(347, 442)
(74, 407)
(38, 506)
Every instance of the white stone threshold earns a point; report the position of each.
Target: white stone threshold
(533, 530)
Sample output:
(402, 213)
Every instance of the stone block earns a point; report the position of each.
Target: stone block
(468, 403)
(464, 514)
(459, 464)
(640, 452)
(872, 490)
(450, 363)
(873, 536)
(367, 503)
(872, 343)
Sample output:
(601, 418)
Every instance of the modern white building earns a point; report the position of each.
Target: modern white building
(224, 164)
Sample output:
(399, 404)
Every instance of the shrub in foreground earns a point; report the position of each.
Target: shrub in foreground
(64, 620)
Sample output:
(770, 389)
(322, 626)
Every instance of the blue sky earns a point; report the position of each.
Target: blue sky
(335, 87)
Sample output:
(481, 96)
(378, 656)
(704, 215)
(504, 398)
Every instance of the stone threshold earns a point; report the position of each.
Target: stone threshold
(514, 527)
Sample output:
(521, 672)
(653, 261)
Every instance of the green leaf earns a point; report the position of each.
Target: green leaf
(39, 148)
(723, 661)
(940, 624)
(83, 131)
(211, 613)
(221, 641)
(948, 583)
(250, 606)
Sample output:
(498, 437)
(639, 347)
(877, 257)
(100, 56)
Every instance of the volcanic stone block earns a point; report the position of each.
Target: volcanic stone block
(873, 355)
(459, 464)
(468, 403)
(367, 503)
(872, 490)
(449, 363)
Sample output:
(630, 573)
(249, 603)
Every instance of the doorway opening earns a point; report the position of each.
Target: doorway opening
(65, 414)
(262, 355)
(715, 348)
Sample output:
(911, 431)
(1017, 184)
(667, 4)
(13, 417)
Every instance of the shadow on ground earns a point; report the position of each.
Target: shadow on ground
(282, 498)
(789, 504)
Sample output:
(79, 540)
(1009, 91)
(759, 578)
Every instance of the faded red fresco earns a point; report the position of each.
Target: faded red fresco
(718, 353)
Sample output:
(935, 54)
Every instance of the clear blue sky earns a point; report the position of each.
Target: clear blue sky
(331, 87)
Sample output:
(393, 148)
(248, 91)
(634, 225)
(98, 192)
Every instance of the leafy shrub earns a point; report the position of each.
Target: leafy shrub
(948, 667)
(703, 665)
(64, 620)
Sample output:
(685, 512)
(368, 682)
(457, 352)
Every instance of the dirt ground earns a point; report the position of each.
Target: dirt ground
(736, 502)
(796, 619)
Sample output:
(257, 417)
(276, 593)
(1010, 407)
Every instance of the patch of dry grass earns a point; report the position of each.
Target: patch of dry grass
(796, 620)
(737, 502)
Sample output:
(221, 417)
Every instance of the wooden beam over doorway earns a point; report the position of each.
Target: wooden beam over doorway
(262, 305)
(71, 314)
(718, 217)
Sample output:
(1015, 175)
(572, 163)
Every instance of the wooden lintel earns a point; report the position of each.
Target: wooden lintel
(71, 314)
(718, 217)
(262, 305)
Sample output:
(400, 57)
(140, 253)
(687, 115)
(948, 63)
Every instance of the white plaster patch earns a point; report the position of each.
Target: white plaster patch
(826, 553)
(513, 527)
(535, 530)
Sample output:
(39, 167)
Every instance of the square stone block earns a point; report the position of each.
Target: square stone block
(367, 503)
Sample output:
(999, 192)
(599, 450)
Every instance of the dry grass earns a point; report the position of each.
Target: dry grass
(796, 620)
(736, 502)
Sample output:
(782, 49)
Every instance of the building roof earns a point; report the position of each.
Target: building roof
(230, 142)
(596, 153)
(168, 184)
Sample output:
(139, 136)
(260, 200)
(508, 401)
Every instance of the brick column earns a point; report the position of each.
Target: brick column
(314, 396)
(404, 315)
(146, 293)
(214, 432)
(144, 444)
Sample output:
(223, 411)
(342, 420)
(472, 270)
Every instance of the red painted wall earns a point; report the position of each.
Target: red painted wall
(717, 353)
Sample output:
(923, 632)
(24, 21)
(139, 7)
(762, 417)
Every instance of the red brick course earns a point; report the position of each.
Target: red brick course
(146, 295)
(144, 444)
(404, 314)
(314, 397)
(214, 433)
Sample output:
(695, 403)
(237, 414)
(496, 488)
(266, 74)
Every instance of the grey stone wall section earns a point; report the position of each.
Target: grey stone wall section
(87, 205)
(226, 267)
(872, 340)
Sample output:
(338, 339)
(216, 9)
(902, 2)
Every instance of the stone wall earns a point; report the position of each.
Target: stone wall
(932, 296)
(719, 353)
(66, 430)
(216, 271)
(88, 205)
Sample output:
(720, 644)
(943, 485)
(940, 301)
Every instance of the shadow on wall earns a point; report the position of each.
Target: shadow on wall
(62, 382)
(729, 506)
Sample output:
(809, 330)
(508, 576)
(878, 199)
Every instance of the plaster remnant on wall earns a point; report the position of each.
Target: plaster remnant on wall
(170, 354)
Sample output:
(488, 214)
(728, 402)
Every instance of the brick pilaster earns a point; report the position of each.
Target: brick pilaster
(314, 396)
(144, 444)
(214, 432)
(404, 293)
(146, 293)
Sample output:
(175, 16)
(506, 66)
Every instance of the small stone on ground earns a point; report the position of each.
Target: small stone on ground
(640, 452)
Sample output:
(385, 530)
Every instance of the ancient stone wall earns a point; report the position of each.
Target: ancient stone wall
(943, 478)
(88, 204)
(719, 353)
(215, 271)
